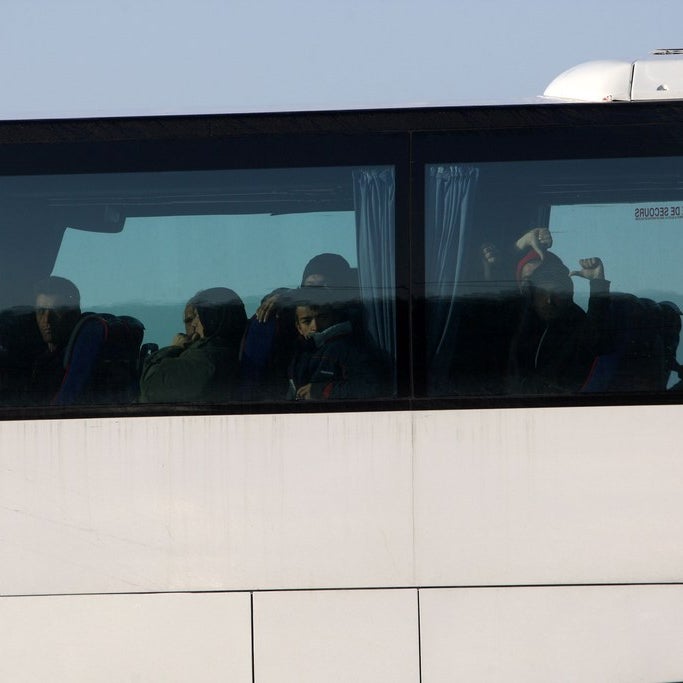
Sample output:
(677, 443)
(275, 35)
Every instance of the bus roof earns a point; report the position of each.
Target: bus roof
(658, 76)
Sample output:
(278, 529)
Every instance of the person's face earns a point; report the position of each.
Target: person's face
(189, 320)
(314, 280)
(55, 320)
(550, 303)
(198, 327)
(310, 319)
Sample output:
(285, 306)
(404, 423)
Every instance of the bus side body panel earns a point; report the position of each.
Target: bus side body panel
(449, 502)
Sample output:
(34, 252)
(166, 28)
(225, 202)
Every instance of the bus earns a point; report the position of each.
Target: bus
(500, 502)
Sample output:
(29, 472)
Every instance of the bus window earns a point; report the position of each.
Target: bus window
(179, 253)
(557, 277)
(164, 260)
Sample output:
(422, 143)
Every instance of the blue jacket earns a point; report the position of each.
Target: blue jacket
(336, 364)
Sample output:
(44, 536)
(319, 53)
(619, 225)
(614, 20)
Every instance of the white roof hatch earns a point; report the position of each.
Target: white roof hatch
(659, 76)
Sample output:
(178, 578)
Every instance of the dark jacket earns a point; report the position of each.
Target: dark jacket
(46, 378)
(336, 364)
(206, 371)
(557, 356)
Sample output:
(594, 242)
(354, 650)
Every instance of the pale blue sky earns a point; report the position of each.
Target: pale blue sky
(90, 57)
(640, 256)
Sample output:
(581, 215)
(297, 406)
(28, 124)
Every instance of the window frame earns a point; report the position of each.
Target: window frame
(201, 144)
(405, 139)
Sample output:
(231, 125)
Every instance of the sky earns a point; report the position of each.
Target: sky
(91, 58)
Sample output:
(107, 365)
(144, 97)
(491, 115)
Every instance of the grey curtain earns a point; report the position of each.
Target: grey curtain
(449, 190)
(373, 193)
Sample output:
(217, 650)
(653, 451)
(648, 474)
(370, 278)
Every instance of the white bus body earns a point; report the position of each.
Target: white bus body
(427, 536)
(546, 545)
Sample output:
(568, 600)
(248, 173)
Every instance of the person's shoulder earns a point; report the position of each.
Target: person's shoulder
(346, 343)
(214, 350)
(206, 345)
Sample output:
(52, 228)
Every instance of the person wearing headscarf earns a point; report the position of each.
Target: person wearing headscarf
(202, 366)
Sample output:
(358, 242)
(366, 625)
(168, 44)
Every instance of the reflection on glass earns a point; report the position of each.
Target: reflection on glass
(553, 277)
(178, 287)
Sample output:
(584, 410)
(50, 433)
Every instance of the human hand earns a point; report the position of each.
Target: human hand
(267, 308)
(591, 269)
(182, 340)
(489, 253)
(304, 393)
(538, 239)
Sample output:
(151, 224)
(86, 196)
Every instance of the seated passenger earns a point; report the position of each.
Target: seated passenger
(474, 356)
(271, 335)
(556, 341)
(57, 312)
(88, 358)
(645, 339)
(189, 314)
(201, 366)
(331, 362)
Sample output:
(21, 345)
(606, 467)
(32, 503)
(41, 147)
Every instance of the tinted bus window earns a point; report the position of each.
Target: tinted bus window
(199, 287)
(557, 277)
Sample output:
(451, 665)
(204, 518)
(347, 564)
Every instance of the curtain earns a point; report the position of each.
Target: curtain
(373, 194)
(449, 192)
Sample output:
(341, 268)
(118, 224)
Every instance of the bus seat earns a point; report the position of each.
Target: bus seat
(101, 361)
(638, 359)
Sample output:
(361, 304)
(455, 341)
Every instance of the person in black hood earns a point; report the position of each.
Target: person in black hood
(557, 342)
(271, 335)
(202, 366)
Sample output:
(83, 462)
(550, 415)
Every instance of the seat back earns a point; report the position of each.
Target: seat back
(101, 361)
(638, 361)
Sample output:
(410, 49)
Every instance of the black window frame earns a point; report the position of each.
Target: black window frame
(407, 139)
(204, 144)
(535, 133)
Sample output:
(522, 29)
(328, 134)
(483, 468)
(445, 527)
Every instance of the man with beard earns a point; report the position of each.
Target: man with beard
(57, 311)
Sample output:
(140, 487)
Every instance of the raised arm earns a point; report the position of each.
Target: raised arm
(538, 239)
(591, 269)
